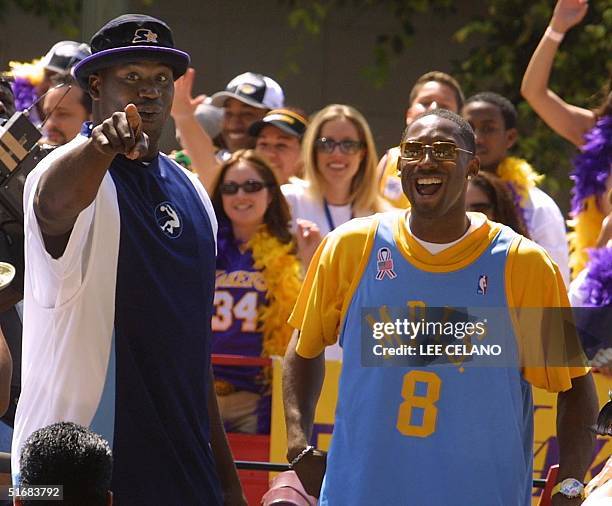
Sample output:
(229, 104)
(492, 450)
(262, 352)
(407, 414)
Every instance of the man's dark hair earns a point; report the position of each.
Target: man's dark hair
(504, 105)
(70, 455)
(438, 77)
(465, 130)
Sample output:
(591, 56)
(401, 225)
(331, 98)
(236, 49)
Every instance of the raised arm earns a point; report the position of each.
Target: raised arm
(193, 137)
(302, 382)
(569, 121)
(576, 413)
(71, 183)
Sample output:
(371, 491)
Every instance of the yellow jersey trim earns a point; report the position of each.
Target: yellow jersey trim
(456, 257)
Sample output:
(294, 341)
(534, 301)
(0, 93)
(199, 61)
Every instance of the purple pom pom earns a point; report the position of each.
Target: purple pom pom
(598, 282)
(25, 93)
(592, 165)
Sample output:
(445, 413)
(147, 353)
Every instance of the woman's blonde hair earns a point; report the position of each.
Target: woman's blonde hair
(364, 186)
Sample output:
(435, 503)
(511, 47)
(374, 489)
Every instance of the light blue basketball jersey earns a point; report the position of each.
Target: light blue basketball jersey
(435, 435)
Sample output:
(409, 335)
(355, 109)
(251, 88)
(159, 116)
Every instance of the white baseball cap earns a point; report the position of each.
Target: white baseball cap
(64, 55)
(253, 89)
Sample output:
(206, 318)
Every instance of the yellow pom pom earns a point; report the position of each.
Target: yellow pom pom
(586, 226)
(33, 71)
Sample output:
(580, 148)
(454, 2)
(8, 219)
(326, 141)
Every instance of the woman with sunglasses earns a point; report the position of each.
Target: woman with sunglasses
(491, 196)
(340, 169)
(258, 279)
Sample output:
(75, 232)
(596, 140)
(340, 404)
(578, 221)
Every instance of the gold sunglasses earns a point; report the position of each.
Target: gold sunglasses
(442, 151)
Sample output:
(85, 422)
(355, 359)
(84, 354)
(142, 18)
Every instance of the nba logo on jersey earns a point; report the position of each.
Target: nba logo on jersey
(384, 265)
(483, 282)
(168, 220)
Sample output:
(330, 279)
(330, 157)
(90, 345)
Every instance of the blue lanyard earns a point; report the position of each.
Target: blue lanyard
(328, 216)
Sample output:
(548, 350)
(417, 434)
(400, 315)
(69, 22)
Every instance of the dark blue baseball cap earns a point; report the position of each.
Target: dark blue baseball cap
(131, 38)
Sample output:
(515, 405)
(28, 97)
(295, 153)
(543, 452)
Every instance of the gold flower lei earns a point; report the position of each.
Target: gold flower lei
(520, 174)
(282, 273)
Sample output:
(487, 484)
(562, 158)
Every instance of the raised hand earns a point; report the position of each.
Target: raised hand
(184, 105)
(121, 134)
(568, 13)
(308, 238)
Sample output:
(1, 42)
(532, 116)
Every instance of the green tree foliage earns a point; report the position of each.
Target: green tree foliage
(63, 15)
(306, 17)
(502, 40)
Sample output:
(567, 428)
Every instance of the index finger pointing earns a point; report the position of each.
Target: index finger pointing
(133, 118)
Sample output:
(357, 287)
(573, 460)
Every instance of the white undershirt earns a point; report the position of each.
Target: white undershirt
(476, 221)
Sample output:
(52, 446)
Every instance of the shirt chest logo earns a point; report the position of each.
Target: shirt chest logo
(169, 220)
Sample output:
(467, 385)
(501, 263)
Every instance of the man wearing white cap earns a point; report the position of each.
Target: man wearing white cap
(64, 109)
(246, 99)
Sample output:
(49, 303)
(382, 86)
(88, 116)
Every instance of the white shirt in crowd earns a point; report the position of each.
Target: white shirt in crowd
(546, 227)
(305, 205)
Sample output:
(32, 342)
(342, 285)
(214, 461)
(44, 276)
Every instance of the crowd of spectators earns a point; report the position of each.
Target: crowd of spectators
(280, 180)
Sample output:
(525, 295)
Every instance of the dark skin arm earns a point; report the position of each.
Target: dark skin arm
(576, 412)
(71, 183)
(224, 461)
(302, 382)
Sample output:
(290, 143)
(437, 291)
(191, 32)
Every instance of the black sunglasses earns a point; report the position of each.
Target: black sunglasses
(250, 186)
(347, 146)
(442, 151)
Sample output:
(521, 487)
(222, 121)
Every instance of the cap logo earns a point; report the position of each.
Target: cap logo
(247, 89)
(144, 35)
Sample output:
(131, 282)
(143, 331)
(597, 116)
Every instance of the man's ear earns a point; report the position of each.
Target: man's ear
(511, 137)
(94, 86)
(473, 167)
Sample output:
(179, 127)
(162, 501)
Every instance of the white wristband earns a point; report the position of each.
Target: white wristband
(553, 34)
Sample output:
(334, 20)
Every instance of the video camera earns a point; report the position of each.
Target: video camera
(19, 154)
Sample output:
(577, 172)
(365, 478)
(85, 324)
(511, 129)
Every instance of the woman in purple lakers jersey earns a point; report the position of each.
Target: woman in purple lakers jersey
(257, 282)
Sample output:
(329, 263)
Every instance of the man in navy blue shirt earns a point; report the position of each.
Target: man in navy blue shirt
(121, 261)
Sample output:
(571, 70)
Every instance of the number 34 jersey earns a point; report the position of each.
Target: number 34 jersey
(421, 435)
(239, 291)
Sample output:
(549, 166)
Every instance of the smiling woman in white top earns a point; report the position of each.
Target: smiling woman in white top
(340, 169)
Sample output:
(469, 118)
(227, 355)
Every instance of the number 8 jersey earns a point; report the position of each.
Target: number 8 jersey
(447, 434)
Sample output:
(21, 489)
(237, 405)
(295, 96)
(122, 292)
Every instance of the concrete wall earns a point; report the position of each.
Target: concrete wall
(227, 37)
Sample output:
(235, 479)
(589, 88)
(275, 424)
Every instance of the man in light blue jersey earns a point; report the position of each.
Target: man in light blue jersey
(428, 431)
